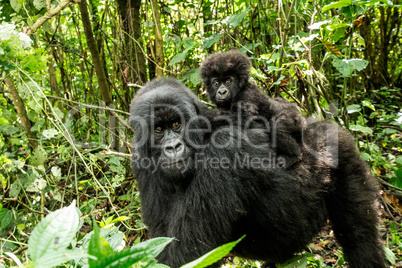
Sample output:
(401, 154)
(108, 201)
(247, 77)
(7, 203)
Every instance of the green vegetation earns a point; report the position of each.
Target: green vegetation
(69, 70)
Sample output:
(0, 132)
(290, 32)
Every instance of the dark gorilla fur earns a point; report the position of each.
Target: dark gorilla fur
(280, 210)
(244, 98)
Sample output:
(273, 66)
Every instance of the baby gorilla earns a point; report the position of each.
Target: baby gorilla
(226, 76)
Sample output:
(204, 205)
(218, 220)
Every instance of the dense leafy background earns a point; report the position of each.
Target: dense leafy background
(62, 63)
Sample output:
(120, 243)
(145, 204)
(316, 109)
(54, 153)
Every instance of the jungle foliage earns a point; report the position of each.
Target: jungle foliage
(69, 70)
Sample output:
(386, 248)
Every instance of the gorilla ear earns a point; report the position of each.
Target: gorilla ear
(243, 80)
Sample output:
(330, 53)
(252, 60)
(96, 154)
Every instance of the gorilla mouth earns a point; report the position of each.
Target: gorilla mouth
(221, 99)
(179, 164)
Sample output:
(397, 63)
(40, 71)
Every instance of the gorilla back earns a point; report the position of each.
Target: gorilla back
(206, 189)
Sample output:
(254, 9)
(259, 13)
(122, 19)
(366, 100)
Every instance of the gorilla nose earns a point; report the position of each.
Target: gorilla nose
(222, 92)
(174, 149)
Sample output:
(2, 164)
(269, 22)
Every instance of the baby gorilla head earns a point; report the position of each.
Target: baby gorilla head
(224, 75)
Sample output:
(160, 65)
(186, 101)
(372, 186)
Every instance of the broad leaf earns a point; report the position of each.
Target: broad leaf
(39, 156)
(50, 133)
(339, 4)
(194, 76)
(368, 104)
(346, 67)
(234, 20)
(156, 245)
(353, 108)
(5, 217)
(55, 232)
(209, 41)
(98, 247)
(360, 128)
(189, 43)
(57, 258)
(213, 256)
(143, 252)
(177, 58)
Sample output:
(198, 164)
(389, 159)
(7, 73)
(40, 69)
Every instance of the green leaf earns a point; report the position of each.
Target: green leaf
(121, 218)
(39, 156)
(55, 232)
(368, 104)
(56, 171)
(346, 67)
(16, 5)
(15, 189)
(209, 41)
(277, 82)
(390, 255)
(365, 156)
(339, 4)
(5, 217)
(168, 10)
(155, 244)
(399, 173)
(98, 247)
(235, 19)
(189, 43)
(143, 252)
(177, 58)
(57, 258)
(39, 4)
(50, 133)
(193, 76)
(37, 185)
(59, 114)
(360, 128)
(354, 108)
(116, 240)
(213, 256)
(318, 24)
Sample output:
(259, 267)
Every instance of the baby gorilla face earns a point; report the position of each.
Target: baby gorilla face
(222, 90)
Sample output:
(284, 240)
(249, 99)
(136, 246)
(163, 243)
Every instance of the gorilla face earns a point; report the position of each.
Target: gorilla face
(163, 115)
(222, 90)
(168, 140)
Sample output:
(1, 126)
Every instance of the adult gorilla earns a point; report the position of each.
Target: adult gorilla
(206, 189)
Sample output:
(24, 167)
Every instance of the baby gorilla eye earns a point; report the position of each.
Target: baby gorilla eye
(228, 81)
(216, 83)
(176, 125)
(158, 129)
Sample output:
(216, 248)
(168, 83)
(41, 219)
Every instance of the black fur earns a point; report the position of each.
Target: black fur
(280, 210)
(243, 97)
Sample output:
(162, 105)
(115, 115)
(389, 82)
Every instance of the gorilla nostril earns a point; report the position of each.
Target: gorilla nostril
(179, 148)
(174, 149)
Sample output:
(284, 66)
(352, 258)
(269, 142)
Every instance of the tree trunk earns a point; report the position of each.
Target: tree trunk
(53, 83)
(133, 68)
(22, 112)
(156, 15)
(93, 48)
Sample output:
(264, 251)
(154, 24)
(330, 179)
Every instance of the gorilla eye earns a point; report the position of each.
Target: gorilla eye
(229, 81)
(176, 125)
(216, 83)
(158, 129)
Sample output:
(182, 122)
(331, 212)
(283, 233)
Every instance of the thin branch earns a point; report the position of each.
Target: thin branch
(50, 14)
